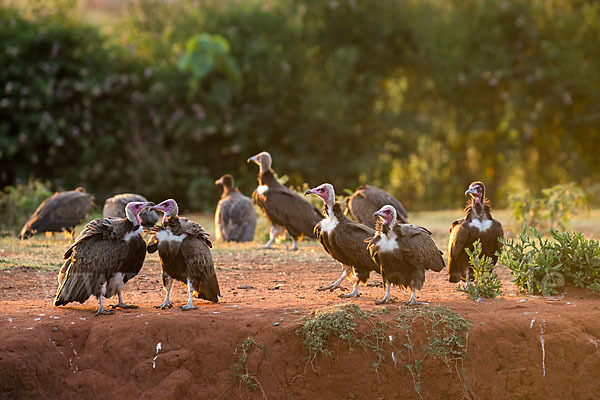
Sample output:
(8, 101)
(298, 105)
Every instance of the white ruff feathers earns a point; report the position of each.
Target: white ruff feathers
(328, 224)
(167, 236)
(261, 189)
(482, 225)
(128, 236)
(388, 242)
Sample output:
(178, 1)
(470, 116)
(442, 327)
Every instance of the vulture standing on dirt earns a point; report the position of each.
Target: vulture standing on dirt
(367, 199)
(404, 252)
(184, 251)
(61, 212)
(477, 224)
(114, 207)
(284, 208)
(344, 240)
(107, 253)
(235, 219)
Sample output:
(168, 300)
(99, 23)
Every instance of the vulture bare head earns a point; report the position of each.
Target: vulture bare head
(324, 191)
(169, 207)
(133, 210)
(387, 214)
(226, 181)
(476, 191)
(263, 159)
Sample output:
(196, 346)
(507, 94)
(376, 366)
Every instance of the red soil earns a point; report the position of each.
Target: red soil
(67, 352)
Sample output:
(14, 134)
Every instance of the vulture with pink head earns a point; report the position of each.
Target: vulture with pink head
(367, 199)
(344, 240)
(184, 251)
(61, 212)
(235, 219)
(477, 224)
(403, 252)
(285, 209)
(107, 253)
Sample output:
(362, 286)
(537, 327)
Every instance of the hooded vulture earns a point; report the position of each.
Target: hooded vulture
(235, 219)
(114, 207)
(61, 212)
(184, 251)
(284, 208)
(477, 224)
(367, 199)
(344, 240)
(107, 253)
(404, 252)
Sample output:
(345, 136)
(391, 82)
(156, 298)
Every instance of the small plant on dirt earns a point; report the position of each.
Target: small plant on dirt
(241, 369)
(447, 334)
(18, 202)
(485, 283)
(541, 265)
(554, 209)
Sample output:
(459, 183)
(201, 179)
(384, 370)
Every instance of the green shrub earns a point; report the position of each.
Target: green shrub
(485, 283)
(541, 265)
(17, 203)
(554, 209)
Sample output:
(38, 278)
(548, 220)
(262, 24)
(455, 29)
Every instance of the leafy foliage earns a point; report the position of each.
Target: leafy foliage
(541, 265)
(486, 283)
(554, 209)
(17, 203)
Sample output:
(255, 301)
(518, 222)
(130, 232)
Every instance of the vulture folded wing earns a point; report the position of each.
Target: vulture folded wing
(380, 197)
(92, 262)
(200, 268)
(461, 236)
(236, 217)
(418, 248)
(288, 209)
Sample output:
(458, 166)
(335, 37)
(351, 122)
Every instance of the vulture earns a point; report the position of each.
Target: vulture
(344, 240)
(367, 199)
(184, 251)
(107, 253)
(284, 208)
(114, 207)
(61, 212)
(477, 224)
(403, 252)
(235, 219)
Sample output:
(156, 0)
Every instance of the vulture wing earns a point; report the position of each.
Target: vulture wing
(461, 236)
(286, 208)
(367, 199)
(236, 218)
(200, 267)
(418, 248)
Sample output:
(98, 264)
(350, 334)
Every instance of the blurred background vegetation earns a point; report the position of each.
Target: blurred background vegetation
(420, 97)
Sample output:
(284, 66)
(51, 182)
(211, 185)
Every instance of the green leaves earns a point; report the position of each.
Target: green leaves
(485, 283)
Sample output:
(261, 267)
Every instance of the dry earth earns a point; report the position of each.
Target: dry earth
(517, 346)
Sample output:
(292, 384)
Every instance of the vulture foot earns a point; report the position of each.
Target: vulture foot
(349, 295)
(187, 307)
(415, 303)
(331, 288)
(385, 301)
(123, 306)
(104, 312)
(164, 306)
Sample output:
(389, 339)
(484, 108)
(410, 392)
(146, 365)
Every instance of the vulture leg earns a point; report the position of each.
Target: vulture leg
(336, 284)
(189, 305)
(354, 291)
(167, 283)
(101, 309)
(120, 304)
(387, 298)
(413, 300)
(273, 233)
(294, 244)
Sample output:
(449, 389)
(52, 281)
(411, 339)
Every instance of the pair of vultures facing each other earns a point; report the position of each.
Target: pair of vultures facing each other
(111, 251)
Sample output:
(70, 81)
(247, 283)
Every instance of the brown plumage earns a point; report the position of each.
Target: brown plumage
(184, 251)
(285, 209)
(367, 199)
(477, 224)
(235, 219)
(61, 212)
(404, 252)
(344, 240)
(107, 253)
(114, 207)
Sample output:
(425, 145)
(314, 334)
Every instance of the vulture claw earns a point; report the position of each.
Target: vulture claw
(186, 308)
(385, 301)
(104, 312)
(123, 306)
(349, 295)
(164, 306)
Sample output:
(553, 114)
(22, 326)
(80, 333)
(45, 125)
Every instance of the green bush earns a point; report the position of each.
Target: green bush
(541, 265)
(554, 209)
(485, 283)
(17, 203)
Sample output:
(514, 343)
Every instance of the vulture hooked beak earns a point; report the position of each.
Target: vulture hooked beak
(471, 191)
(220, 180)
(148, 204)
(378, 214)
(309, 191)
(255, 159)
